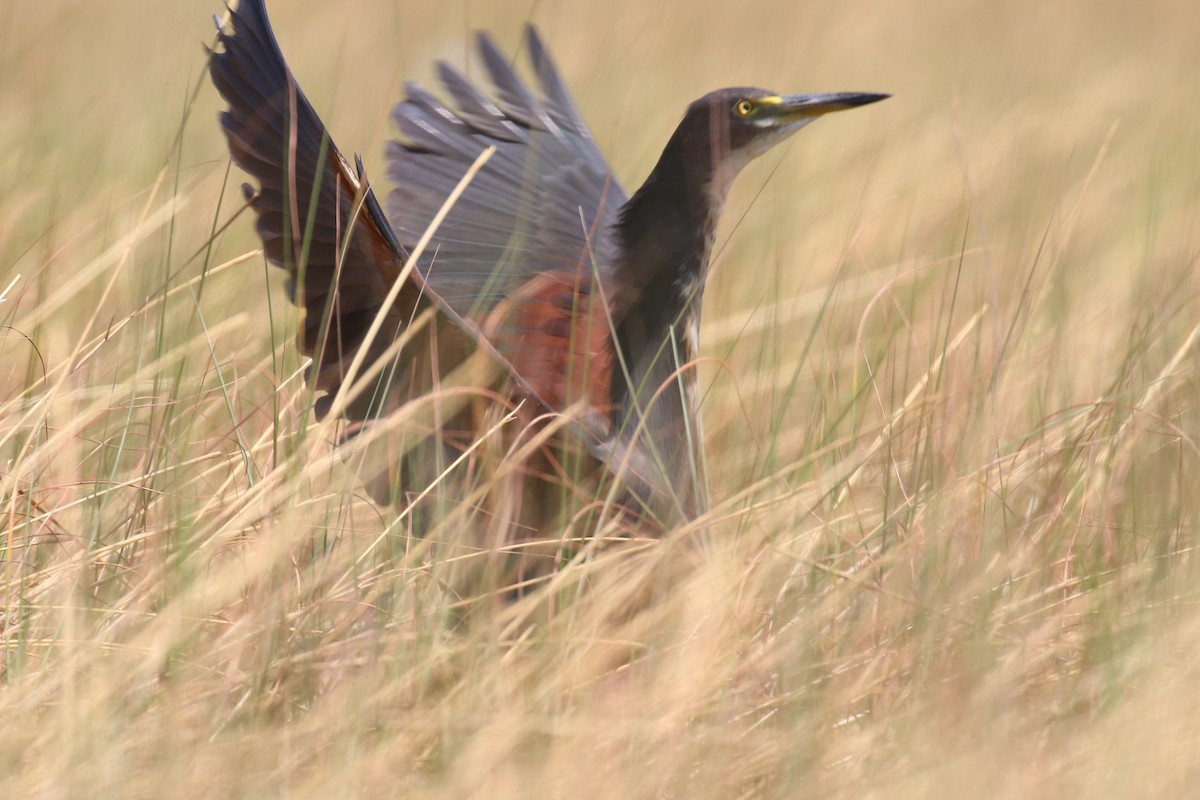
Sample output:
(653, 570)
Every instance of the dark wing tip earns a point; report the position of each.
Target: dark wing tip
(487, 45)
(538, 54)
(253, 10)
(514, 98)
(558, 100)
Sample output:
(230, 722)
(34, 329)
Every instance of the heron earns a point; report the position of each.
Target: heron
(585, 297)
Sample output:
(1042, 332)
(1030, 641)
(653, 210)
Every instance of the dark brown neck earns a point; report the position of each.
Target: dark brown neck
(665, 234)
(666, 227)
(665, 231)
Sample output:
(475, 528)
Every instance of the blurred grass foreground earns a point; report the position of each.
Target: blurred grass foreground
(950, 406)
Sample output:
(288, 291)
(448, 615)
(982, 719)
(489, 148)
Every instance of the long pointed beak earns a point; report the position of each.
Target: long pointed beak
(804, 106)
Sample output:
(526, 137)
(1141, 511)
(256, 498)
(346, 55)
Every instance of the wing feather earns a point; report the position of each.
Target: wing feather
(306, 205)
(545, 202)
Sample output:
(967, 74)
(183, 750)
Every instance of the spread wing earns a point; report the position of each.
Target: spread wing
(317, 218)
(545, 203)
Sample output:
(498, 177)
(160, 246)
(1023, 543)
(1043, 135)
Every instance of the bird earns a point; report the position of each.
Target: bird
(585, 299)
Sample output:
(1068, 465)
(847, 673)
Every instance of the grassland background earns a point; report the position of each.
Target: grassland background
(951, 416)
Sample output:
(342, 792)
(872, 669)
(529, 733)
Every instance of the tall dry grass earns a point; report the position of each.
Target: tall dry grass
(951, 407)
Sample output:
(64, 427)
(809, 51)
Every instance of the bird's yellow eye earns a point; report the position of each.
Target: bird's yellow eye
(743, 108)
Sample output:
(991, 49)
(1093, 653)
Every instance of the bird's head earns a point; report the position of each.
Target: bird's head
(672, 218)
(726, 129)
